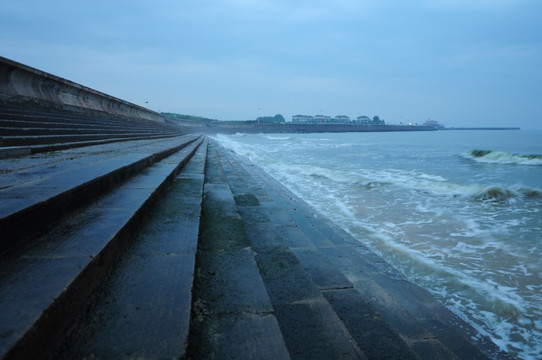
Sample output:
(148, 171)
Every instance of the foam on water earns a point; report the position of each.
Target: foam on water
(468, 234)
(434, 184)
(500, 157)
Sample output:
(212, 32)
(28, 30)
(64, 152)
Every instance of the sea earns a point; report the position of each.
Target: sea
(458, 212)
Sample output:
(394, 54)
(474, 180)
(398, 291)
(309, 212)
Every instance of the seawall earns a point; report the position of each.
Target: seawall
(20, 80)
(231, 127)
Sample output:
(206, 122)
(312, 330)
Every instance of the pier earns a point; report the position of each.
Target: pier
(124, 236)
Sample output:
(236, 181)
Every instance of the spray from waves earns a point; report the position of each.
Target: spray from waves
(499, 157)
(236, 146)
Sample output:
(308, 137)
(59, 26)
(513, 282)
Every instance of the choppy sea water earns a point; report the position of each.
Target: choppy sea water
(457, 212)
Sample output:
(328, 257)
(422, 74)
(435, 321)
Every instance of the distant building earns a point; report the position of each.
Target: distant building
(303, 119)
(341, 119)
(434, 124)
(322, 119)
(363, 120)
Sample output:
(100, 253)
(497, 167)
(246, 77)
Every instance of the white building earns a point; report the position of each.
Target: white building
(322, 119)
(303, 119)
(363, 120)
(342, 119)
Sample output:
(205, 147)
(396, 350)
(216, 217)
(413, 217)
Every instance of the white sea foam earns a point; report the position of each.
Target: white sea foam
(499, 157)
(270, 137)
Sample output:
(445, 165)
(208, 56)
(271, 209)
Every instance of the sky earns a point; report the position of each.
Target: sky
(459, 62)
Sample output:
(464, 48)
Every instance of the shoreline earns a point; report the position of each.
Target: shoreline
(417, 301)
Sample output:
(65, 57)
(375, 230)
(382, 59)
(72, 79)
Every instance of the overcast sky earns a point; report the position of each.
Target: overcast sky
(460, 62)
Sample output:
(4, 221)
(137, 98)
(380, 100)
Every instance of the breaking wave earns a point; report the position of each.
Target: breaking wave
(270, 137)
(499, 157)
(410, 180)
(497, 193)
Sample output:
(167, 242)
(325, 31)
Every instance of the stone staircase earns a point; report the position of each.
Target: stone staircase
(29, 126)
(65, 222)
(177, 248)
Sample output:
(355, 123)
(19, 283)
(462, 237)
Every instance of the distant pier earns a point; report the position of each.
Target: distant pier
(482, 128)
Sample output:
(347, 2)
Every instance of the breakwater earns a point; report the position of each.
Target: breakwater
(252, 127)
(482, 128)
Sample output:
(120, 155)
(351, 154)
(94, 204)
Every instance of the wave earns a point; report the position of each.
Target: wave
(270, 137)
(499, 157)
(344, 178)
(498, 193)
(434, 185)
(385, 180)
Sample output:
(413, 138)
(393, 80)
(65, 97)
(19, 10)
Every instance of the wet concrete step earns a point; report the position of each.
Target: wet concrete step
(8, 126)
(430, 329)
(43, 288)
(7, 152)
(66, 119)
(80, 130)
(142, 310)
(42, 113)
(18, 124)
(232, 314)
(310, 326)
(54, 139)
(48, 193)
(29, 169)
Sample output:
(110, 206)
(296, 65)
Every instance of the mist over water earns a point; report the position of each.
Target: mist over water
(458, 212)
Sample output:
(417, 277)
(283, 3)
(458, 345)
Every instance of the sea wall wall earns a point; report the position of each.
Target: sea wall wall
(20, 80)
(253, 127)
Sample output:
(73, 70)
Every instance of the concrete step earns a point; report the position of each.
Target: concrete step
(45, 286)
(430, 329)
(44, 195)
(44, 109)
(147, 297)
(232, 315)
(63, 121)
(7, 152)
(55, 139)
(81, 130)
(310, 326)
(64, 118)
(28, 169)
(16, 124)
(47, 113)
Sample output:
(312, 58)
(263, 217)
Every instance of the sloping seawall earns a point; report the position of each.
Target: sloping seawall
(20, 80)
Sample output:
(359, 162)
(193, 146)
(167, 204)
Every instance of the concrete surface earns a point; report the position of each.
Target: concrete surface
(19, 79)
